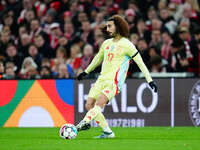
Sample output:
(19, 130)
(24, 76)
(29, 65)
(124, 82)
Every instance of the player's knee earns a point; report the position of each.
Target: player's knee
(89, 106)
(100, 104)
(102, 101)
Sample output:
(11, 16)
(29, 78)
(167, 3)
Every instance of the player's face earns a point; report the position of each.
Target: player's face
(110, 28)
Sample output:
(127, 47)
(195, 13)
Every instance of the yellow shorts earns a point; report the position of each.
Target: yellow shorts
(107, 87)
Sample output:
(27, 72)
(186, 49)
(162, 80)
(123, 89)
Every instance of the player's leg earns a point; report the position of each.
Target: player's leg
(90, 103)
(83, 125)
(109, 91)
(96, 114)
(92, 96)
(100, 119)
(92, 113)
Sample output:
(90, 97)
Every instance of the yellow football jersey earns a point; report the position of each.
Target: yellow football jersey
(116, 58)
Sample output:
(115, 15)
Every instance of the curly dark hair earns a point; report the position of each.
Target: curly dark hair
(121, 25)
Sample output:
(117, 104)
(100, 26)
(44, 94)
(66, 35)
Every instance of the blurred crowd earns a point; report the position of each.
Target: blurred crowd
(59, 38)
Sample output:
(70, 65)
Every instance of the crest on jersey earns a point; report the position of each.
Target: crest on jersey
(112, 47)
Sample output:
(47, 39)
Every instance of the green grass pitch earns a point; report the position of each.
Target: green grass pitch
(147, 138)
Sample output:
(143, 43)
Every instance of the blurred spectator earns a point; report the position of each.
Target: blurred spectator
(43, 47)
(25, 40)
(152, 51)
(45, 72)
(185, 36)
(88, 54)
(64, 42)
(99, 20)
(162, 4)
(93, 14)
(46, 62)
(151, 14)
(194, 4)
(166, 46)
(61, 58)
(143, 49)
(130, 18)
(49, 19)
(103, 10)
(55, 5)
(67, 17)
(26, 17)
(1, 69)
(195, 49)
(13, 5)
(5, 39)
(134, 5)
(69, 30)
(9, 71)
(143, 31)
(22, 30)
(62, 71)
(168, 21)
(142, 45)
(98, 38)
(134, 38)
(35, 30)
(75, 60)
(8, 20)
(28, 66)
(32, 73)
(27, 5)
(165, 16)
(12, 55)
(178, 60)
(82, 17)
(187, 10)
(41, 10)
(156, 24)
(156, 64)
(156, 38)
(184, 22)
(87, 34)
(55, 34)
(33, 52)
(176, 8)
(73, 7)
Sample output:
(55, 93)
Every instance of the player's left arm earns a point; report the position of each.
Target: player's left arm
(135, 55)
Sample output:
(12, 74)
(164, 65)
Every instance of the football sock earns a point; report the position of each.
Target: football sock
(101, 121)
(92, 113)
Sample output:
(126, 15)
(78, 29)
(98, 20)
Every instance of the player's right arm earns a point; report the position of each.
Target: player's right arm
(97, 60)
(135, 55)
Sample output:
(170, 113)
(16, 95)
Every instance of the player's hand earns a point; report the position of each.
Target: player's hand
(81, 75)
(153, 85)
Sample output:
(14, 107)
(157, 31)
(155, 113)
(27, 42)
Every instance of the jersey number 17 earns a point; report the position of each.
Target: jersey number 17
(110, 56)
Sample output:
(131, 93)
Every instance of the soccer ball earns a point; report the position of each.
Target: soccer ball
(68, 131)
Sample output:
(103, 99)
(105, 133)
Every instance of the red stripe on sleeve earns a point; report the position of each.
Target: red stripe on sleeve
(116, 82)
